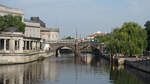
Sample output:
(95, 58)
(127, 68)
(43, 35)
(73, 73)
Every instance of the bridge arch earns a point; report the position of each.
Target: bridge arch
(57, 51)
(76, 47)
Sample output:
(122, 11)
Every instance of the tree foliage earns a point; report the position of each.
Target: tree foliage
(7, 21)
(147, 28)
(99, 38)
(129, 40)
(69, 38)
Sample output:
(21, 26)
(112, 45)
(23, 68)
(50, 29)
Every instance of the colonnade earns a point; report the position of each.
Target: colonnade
(32, 45)
(10, 44)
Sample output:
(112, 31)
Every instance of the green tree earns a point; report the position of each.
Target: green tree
(7, 21)
(99, 38)
(147, 28)
(69, 38)
(130, 39)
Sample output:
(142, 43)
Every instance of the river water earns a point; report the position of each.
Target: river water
(64, 70)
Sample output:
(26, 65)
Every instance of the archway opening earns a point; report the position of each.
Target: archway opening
(63, 50)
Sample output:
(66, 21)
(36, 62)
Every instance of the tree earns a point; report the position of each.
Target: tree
(69, 38)
(7, 21)
(98, 38)
(130, 39)
(147, 28)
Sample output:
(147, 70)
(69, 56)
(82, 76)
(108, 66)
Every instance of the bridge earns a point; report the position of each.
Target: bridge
(75, 45)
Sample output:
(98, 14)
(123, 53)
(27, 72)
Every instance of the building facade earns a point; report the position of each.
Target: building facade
(32, 29)
(4, 10)
(49, 34)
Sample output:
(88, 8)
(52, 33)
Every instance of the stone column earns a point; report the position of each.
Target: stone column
(21, 45)
(11, 44)
(16, 44)
(32, 45)
(25, 45)
(29, 45)
(36, 45)
(4, 44)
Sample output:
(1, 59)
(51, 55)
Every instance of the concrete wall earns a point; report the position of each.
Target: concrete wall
(20, 58)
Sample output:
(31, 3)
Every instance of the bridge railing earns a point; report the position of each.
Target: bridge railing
(64, 41)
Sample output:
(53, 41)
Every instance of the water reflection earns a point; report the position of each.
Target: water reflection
(64, 70)
(28, 73)
(123, 76)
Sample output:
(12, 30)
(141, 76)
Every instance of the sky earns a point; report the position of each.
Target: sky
(85, 16)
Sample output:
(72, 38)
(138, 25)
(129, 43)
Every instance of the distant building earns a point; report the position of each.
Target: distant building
(49, 34)
(32, 29)
(46, 34)
(98, 33)
(38, 20)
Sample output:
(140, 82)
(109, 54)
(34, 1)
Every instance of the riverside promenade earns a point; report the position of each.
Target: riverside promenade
(139, 64)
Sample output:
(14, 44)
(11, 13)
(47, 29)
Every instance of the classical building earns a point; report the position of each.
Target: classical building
(21, 47)
(31, 40)
(12, 41)
(49, 34)
(4, 10)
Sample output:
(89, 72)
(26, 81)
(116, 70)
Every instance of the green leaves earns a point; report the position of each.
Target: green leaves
(69, 38)
(11, 21)
(99, 38)
(130, 39)
(147, 28)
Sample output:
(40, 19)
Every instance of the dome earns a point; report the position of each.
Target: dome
(98, 32)
(11, 29)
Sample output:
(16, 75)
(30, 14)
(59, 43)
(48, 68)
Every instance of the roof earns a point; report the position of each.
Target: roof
(27, 20)
(96, 34)
(49, 29)
(11, 29)
(9, 7)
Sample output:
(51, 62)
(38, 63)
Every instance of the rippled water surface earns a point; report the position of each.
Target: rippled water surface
(64, 70)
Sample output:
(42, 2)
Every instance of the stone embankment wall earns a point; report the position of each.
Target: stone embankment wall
(22, 58)
(143, 65)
